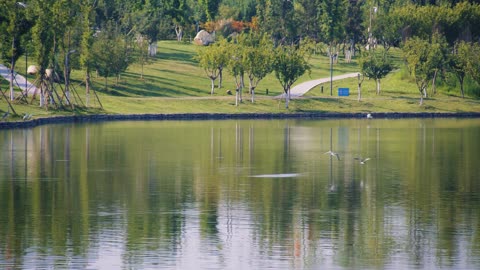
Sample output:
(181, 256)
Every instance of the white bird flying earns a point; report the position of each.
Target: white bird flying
(331, 153)
(362, 161)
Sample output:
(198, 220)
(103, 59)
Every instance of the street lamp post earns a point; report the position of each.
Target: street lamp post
(331, 73)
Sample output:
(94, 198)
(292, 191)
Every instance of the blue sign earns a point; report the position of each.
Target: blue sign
(343, 92)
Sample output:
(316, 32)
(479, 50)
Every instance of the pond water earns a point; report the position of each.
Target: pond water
(249, 194)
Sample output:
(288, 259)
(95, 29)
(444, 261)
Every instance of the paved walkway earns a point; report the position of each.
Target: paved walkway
(19, 80)
(300, 89)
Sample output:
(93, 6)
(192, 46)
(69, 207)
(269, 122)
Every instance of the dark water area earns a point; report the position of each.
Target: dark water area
(242, 194)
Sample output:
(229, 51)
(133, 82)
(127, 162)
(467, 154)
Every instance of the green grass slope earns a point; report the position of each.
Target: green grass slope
(173, 83)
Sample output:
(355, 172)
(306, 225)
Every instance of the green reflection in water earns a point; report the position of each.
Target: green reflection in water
(242, 194)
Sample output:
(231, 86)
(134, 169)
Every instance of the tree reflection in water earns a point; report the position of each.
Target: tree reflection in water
(178, 194)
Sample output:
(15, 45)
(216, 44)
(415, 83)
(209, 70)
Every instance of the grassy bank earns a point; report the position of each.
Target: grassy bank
(173, 83)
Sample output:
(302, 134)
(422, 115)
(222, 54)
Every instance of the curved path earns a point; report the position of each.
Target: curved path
(300, 89)
(18, 81)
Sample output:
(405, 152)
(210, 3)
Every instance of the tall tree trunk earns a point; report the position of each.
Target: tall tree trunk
(461, 87)
(213, 86)
(242, 85)
(434, 88)
(220, 77)
(142, 62)
(242, 79)
(179, 32)
(236, 96)
(87, 87)
(253, 94)
(421, 94)
(250, 84)
(378, 86)
(359, 91)
(12, 72)
(287, 97)
(42, 87)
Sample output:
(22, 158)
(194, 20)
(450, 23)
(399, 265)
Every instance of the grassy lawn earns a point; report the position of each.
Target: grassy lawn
(173, 83)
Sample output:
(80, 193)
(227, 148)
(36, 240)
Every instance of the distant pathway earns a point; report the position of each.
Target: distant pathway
(19, 80)
(300, 89)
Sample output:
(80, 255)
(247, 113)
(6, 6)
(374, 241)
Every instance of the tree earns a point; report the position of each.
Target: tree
(290, 63)
(110, 53)
(277, 20)
(418, 57)
(179, 14)
(43, 35)
(438, 57)
(236, 66)
(210, 8)
(68, 15)
(87, 38)
(458, 62)
(332, 21)
(307, 15)
(472, 53)
(12, 26)
(141, 46)
(361, 77)
(224, 55)
(376, 64)
(388, 29)
(258, 60)
(148, 21)
(210, 58)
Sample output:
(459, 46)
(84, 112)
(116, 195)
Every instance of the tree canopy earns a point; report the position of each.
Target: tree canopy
(101, 34)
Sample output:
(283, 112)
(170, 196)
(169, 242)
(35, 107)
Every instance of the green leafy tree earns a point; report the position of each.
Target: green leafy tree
(67, 28)
(277, 20)
(420, 58)
(258, 59)
(388, 29)
(152, 20)
(210, 8)
(212, 58)
(13, 25)
(178, 12)
(224, 58)
(290, 63)
(376, 64)
(110, 52)
(86, 42)
(354, 27)
(236, 66)
(141, 49)
(458, 63)
(472, 53)
(332, 20)
(438, 57)
(43, 36)
(307, 15)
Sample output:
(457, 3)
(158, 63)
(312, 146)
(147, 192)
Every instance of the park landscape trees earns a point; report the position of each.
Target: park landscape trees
(376, 64)
(104, 36)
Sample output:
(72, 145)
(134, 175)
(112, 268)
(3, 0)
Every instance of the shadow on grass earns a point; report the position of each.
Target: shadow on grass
(178, 56)
(131, 85)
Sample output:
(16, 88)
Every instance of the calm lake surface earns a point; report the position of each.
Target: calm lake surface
(250, 194)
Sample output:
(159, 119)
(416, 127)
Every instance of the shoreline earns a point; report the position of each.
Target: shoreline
(224, 116)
